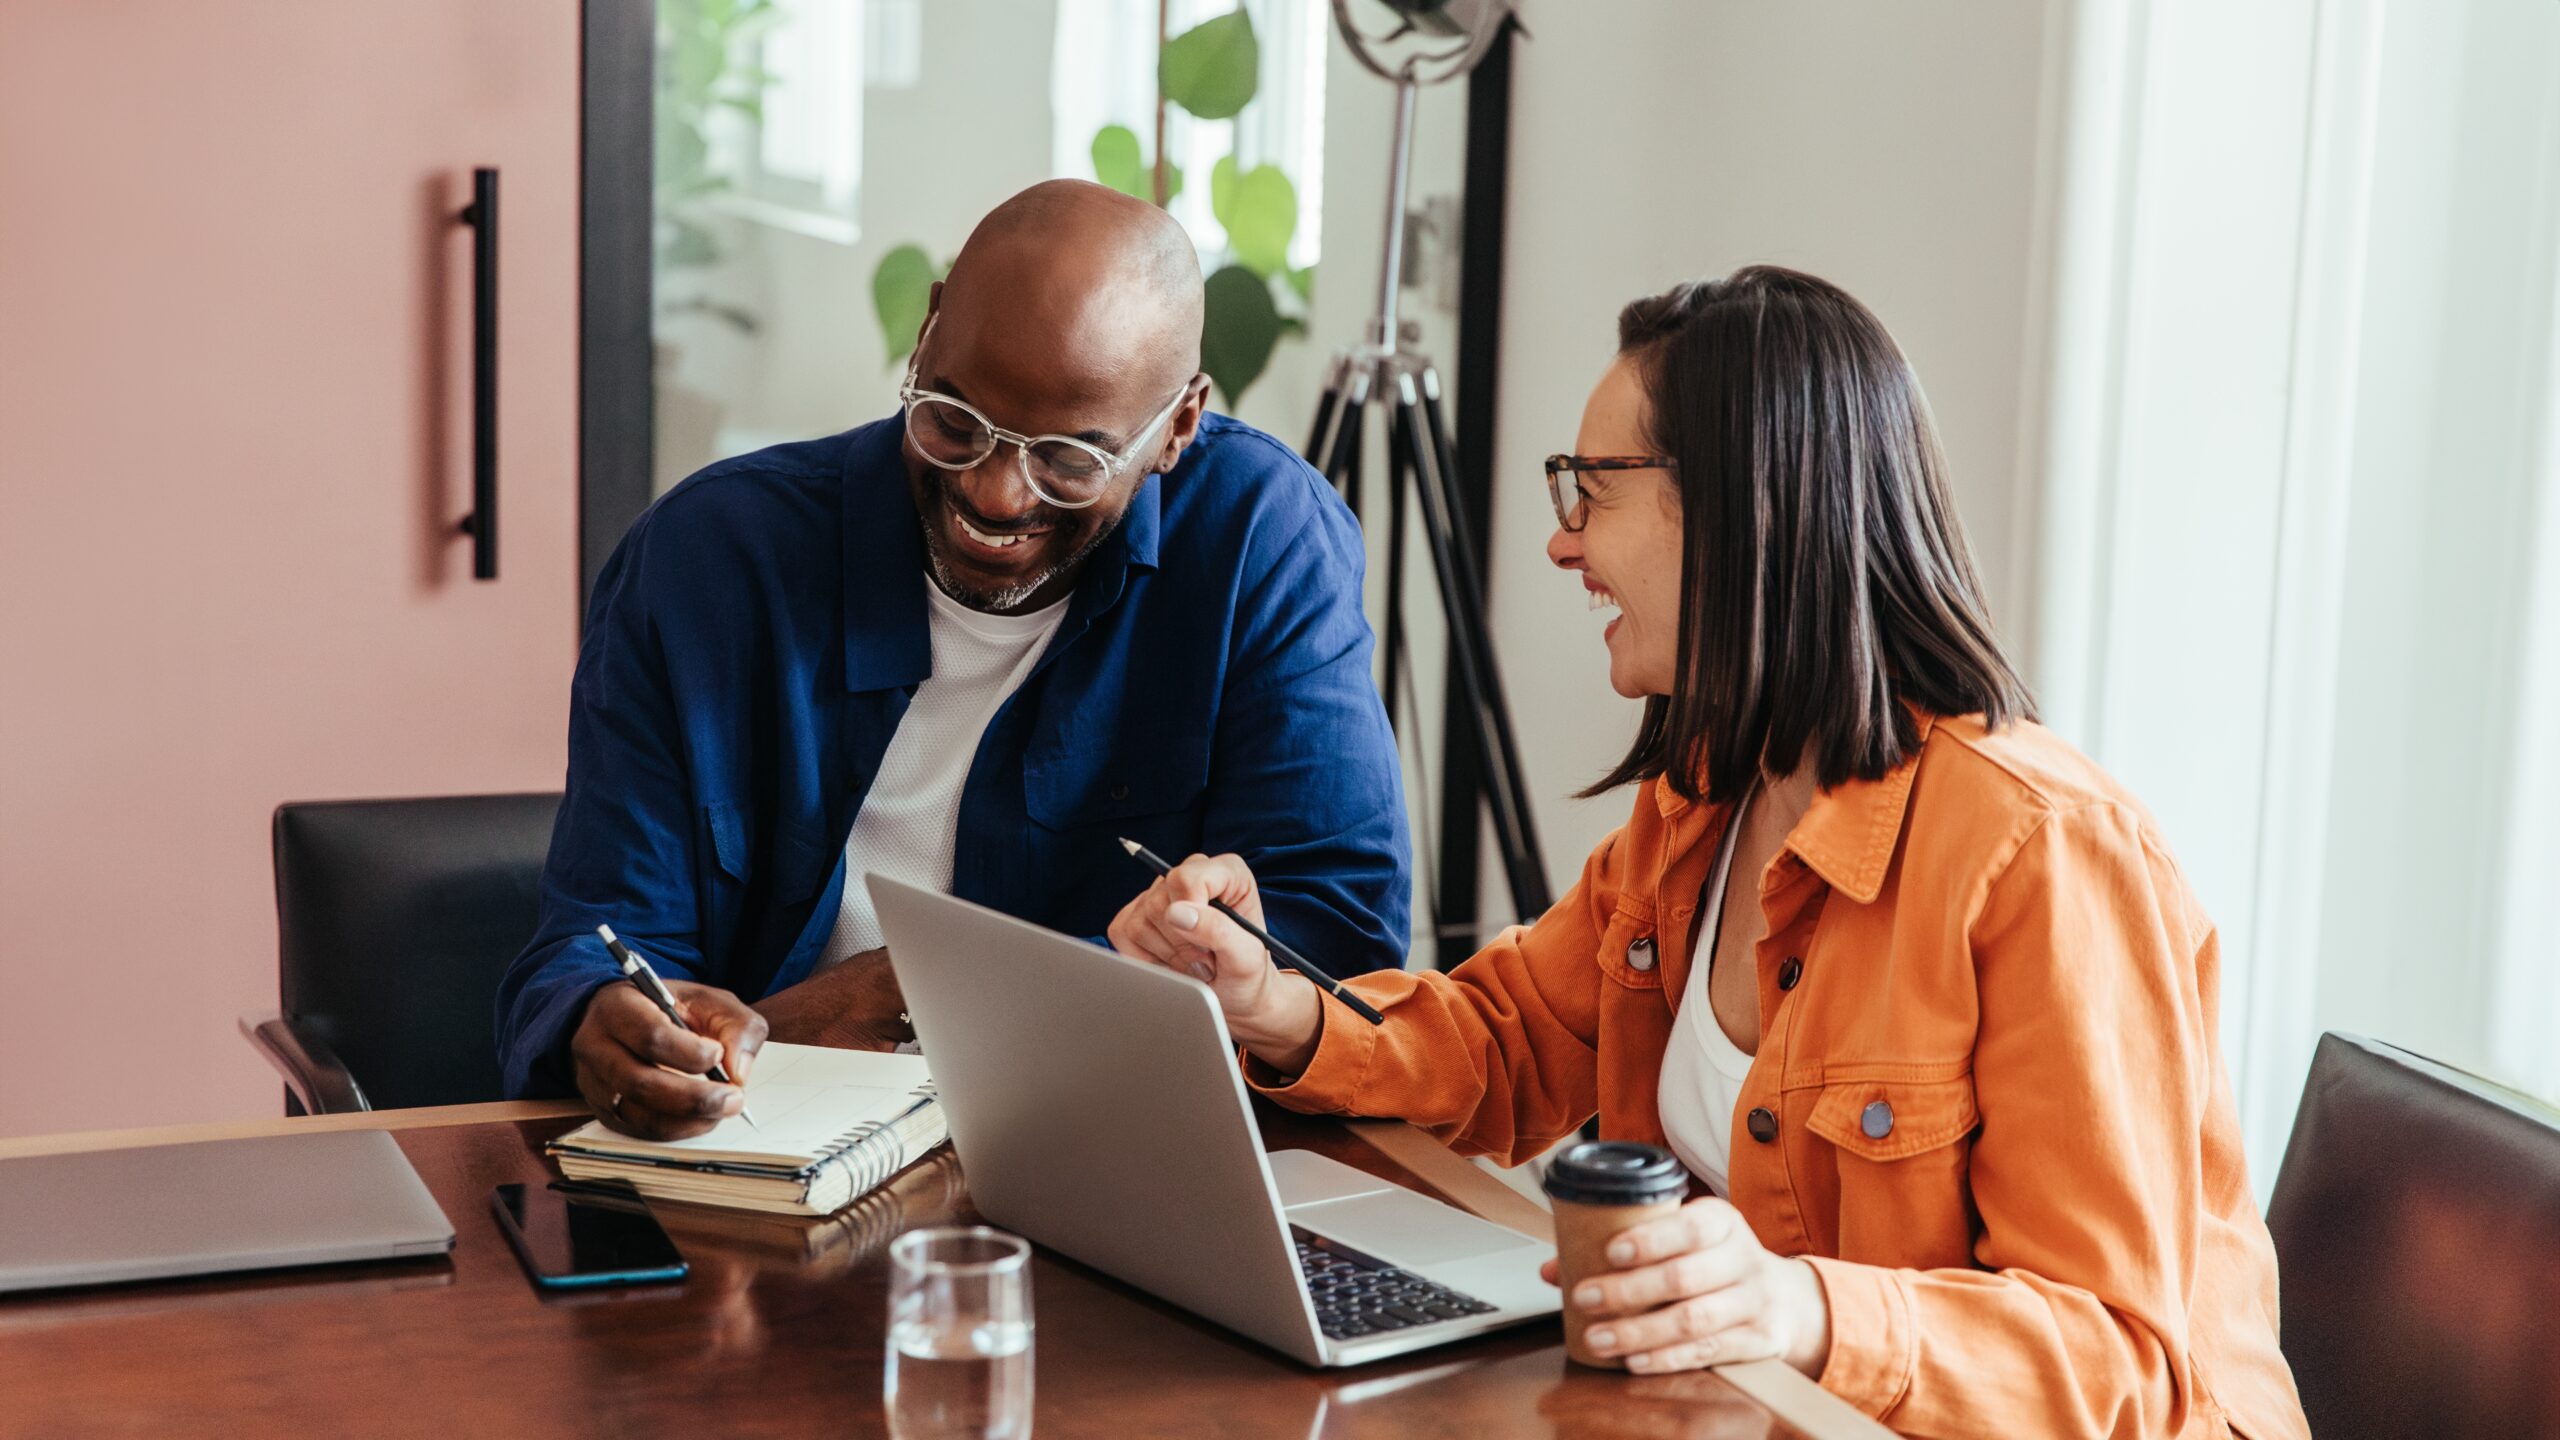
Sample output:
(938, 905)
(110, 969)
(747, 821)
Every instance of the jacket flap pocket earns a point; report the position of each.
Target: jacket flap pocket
(1894, 1119)
(1136, 775)
(728, 839)
(799, 862)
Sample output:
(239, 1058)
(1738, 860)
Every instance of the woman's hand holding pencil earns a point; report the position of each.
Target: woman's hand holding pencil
(1203, 917)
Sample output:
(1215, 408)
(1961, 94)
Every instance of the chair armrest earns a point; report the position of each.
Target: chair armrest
(310, 1069)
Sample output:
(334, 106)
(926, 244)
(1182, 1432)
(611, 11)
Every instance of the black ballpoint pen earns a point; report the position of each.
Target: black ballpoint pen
(1279, 952)
(646, 981)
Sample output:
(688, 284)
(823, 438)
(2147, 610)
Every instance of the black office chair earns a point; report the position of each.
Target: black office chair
(2417, 1230)
(395, 919)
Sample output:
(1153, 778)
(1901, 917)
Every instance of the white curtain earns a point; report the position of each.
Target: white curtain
(2294, 569)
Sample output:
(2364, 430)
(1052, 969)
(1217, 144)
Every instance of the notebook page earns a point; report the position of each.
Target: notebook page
(805, 1098)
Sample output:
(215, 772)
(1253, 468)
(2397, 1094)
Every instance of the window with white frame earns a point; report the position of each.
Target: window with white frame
(1104, 74)
(793, 146)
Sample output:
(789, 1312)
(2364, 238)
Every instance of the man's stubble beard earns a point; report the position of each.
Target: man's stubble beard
(999, 601)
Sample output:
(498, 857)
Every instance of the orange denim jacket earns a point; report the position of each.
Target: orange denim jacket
(2047, 1229)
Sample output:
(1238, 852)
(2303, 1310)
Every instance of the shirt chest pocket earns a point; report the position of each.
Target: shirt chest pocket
(1122, 778)
(1887, 1120)
(1631, 953)
(793, 870)
(1902, 1150)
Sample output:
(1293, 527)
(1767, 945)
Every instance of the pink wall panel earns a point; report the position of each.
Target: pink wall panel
(234, 440)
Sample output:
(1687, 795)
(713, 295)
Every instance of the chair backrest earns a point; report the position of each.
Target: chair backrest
(2417, 1230)
(395, 920)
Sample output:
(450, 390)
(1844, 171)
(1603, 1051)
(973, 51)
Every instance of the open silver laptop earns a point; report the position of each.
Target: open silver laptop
(1097, 1108)
(209, 1206)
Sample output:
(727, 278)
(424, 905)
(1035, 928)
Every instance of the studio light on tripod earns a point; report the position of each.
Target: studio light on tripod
(1418, 43)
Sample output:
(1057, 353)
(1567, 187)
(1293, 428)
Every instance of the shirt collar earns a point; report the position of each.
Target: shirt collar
(886, 642)
(1848, 834)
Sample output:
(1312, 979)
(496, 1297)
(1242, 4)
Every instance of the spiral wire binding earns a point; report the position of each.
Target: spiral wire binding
(873, 1163)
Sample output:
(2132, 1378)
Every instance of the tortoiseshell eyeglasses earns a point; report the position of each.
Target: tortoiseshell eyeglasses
(1565, 486)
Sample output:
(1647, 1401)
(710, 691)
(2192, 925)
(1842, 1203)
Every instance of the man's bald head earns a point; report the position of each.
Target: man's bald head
(1088, 276)
(1073, 311)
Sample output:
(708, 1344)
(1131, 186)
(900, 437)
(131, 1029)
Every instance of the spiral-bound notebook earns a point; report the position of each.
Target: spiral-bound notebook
(831, 1126)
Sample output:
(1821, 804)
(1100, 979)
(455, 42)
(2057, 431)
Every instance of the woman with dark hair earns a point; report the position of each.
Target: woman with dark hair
(1911, 986)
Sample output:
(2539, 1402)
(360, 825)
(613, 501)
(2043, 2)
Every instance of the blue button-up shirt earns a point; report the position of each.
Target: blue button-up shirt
(756, 637)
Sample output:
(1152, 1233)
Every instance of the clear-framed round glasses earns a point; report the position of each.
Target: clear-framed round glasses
(1064, 471)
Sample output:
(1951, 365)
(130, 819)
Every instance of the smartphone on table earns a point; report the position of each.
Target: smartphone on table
(581, 1240)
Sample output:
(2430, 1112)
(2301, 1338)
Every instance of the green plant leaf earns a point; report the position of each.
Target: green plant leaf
(1222, 188)
(1118, 163)
(902, 294)
(1211, 69)
(682, 153)
(1303, 280)
(1238, 330)
(1261, 215)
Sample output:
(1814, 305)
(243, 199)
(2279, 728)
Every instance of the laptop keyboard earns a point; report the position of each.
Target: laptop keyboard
(1359, 1295)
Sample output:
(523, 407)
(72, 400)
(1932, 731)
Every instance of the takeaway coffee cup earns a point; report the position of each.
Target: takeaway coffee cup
(1599, 1188)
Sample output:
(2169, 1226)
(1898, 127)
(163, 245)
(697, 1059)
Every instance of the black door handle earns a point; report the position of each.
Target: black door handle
(482, 523)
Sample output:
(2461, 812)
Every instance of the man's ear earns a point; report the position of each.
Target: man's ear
(1185, 425)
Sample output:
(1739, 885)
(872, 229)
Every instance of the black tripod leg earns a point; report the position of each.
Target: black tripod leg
(1400, 476)
(1463, 598)
(1461, 532)
(1320, 439)
(1445, 461)
(1344, 467)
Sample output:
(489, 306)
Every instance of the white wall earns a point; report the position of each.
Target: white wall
(1889, 148)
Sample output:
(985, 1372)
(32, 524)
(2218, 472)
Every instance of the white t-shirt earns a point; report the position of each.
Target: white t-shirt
(911, 815)
(1702, 1069)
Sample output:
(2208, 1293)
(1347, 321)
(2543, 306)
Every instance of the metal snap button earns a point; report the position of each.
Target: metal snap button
(1790, 972)
(1876, 1121)
(1640, 953)
(1119, 792)
(1763, 1124)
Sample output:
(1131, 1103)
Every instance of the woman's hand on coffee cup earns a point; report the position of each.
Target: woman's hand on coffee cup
(1696, 1288)
(1173, 924)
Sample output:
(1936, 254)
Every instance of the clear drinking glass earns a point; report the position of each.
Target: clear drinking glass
(959, 1335)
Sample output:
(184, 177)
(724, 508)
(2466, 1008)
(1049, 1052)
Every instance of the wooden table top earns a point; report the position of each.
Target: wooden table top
(778, 1331)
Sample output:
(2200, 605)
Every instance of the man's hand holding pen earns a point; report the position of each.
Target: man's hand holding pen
(645, 1077)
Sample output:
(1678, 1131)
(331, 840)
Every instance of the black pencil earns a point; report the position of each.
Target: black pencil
(1279, 952)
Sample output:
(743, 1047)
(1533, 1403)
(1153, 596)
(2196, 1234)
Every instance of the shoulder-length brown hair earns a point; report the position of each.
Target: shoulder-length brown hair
(1825, 581)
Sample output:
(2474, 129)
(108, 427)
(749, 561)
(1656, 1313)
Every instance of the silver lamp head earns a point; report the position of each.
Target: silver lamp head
(1447, 37)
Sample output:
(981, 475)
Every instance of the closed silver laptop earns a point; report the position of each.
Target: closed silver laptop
(211, 1206)
(1097, 1109)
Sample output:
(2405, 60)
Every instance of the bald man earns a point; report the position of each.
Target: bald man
(1049, 603)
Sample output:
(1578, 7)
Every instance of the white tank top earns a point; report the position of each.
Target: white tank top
(1702, 1069)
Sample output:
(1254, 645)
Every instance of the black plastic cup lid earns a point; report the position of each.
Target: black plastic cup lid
(1616, 1172)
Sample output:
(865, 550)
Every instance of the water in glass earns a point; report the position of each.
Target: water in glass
(960, 1332)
